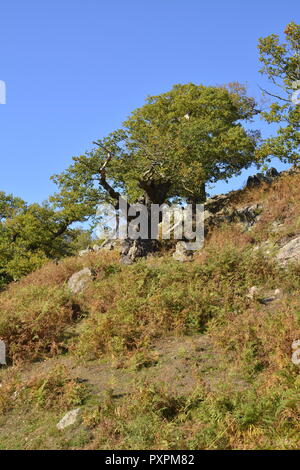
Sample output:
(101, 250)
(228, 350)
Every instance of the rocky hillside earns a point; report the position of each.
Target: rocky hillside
(162, 353)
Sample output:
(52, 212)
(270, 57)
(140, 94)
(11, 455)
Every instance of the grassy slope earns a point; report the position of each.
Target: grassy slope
(160, 354)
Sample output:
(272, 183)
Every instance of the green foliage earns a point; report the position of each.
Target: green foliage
(226, 419)
(281, 65)
(189, 135)
(55, 390)
(170, 147)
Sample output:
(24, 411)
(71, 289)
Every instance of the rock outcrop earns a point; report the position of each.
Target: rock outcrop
(134, 249)
(247, 215)
(289, 252)
(218, 209)
(260, 178)
(106, 245)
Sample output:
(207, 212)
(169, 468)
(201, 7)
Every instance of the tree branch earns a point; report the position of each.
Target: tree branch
(108, 188)
(274, 96)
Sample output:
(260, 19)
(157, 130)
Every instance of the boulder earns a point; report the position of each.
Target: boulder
(78, 280)
(69, 419)
(289, 252)
(296, 352)
(217, 203)
(255, 180)
(248, 215)
(296, 344)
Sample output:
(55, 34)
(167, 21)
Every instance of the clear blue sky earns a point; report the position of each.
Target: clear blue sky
(74, 69)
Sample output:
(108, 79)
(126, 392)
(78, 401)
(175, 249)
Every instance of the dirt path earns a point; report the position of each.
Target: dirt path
(179, 363)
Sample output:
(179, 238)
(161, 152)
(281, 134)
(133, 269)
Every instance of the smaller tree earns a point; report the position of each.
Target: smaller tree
(30, 234)
(281, 65)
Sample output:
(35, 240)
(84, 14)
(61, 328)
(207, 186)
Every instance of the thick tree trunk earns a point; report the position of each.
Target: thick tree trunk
(201, 196)
(154, 193)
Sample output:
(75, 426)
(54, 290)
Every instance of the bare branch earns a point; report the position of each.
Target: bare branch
(110, 155)
(108, 188)
(274, 96)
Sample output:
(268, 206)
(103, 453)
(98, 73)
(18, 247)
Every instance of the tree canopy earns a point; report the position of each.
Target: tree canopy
(170, 147)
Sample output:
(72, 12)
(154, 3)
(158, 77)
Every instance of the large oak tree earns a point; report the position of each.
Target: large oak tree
(168, 148)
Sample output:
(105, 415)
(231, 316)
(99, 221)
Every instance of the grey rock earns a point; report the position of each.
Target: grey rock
(255, 180)
(296, 344)
(246, 215)
(296, 357)
(215, 204)
(272, 295)
(108, 245)
(78, 280)
(218, 210)
(181, 253)
(69, 419)
(2, 353)
(289, 252)
(84, 252)
(296, 352)
(131, 250)
(252, 292)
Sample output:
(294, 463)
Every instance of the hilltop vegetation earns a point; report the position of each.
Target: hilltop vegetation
(107, 349)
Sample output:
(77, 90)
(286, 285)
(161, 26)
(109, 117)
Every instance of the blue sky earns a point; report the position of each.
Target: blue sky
(74, 69)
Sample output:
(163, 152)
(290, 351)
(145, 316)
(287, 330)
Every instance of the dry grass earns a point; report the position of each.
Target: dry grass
(125, 308)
